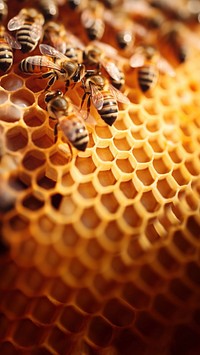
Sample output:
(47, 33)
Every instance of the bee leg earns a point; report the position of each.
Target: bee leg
(56, 132)
(52, 79)
(67, 83)
(83, 99)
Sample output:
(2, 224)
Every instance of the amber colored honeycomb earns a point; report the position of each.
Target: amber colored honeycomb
(103, 250)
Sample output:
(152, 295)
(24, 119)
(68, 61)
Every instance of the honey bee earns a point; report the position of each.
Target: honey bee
(7, 42)
(56, 35)
(3, 10)
(149, 63)
(53, 65)
(103, 55)
(103, 95)
(76, 4)
(70, 122)
(49, 8)
(28, 25)
(92, 20)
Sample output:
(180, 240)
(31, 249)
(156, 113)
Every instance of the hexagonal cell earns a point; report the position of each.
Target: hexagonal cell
(165, 188)
(59, 341)
(70, 237)
(34, 84)
(22, 98)
(131, 217)
(113, 231)
(43, 310)
(94, 250)
(180, 290)
(156, 143)
(181, 176)
(182, 244)
(162, 165)
(118, 313)
(44, 182)
(135, 296)
(122, 143)
(8, 348)
(100, 332)
(72, 319)
(106, 178)
(32, 203)
(165, 308)
(86, 301)
(34, 117)
(33, 159)
(27, 333)
(67, 180)
(134, 342)
(59, 158)
(18, 222)
(3, 97)
(151, 277)
(149, 326)
(10, 113)
(185, 339)
(84, 168)
(104, 154)
(87, 190)
(193, 225)
(45, 224)
(21, 304)
(135, 249)
(176, 155)
(109, 202)
(192, 166)
(16, 138)
(128, 189)
(168, 262)
(145, 176)
(89, 218)
(142, 154)
(59, 291)
(136, 117)
(43, 137)
(103, 132)
(125, 165)
(11, 82)
(77, 269)
(149, 201)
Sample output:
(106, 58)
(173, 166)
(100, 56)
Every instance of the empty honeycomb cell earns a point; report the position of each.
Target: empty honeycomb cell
(126, 165)
(72, 319)
(44, 182)
(100, 332)
(128, 189)
(32, 203)
(148, 326)
(176, 155)
(8, 348)
(59, 158)
(193, 226)
(151, 277)
(87, 190)
(124, 315)
(34, 117)
(59, 291)
(182, 244)
(34, 84)
(181, 176)
(193, 272)
(11, 82)
(67, 180)
(94, 250)
(27, 333)
(105, 154)
(113, 231)
(162, 165)
(131, 216)
(129, 341)
(185, 340)
(10, 113)
(145, 176)
(33, 159)
(142, 154)
(76, 269)
(149, 201)
(9, 269)
(180, 290)
(165, 188)
(18, 308)
(3, 96)
(152, 233)
(135, 296)
(106, 178)
(22, 98)
(122, 144)
(16, 138)
(168, 261)
(165, 308)
(103, 132)
(110, 203)
(18, 222)
(156, 143)
(70, 237)
(193, 167)
(85, 169)
(42, 138)
(44, 311)
(90, 218)
(86, 301)
(61, 343)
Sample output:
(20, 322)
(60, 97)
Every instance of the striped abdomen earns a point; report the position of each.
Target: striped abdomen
(24, 37)
(109, 110)
(26, 67)
(75, 131)
(147, 77)
(6, 55)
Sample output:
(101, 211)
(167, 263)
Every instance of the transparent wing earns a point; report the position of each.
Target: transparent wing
(111, 69)
(12, 41)
(16, 22)
(137, 60)
(36, 31)
(50, 51)
(165, 67)
(119, 95)
(42, 61)
(75, 41)
(97, 97)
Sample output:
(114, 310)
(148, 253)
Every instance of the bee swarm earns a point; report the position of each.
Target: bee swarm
(100, 249)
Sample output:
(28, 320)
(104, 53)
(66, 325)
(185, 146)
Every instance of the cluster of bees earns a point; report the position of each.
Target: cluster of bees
(97, 66)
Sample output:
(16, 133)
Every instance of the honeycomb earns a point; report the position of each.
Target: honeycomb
(100, 251)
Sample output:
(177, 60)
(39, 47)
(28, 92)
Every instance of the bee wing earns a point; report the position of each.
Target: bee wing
(42, 61)
(16, 22)
(75, 41)
(111, 69)
(50, 51)
(137, 60)
(106, 48)
(119, 95)
(12, 41)
(165, 67)
(97, 97)
(36, 31)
